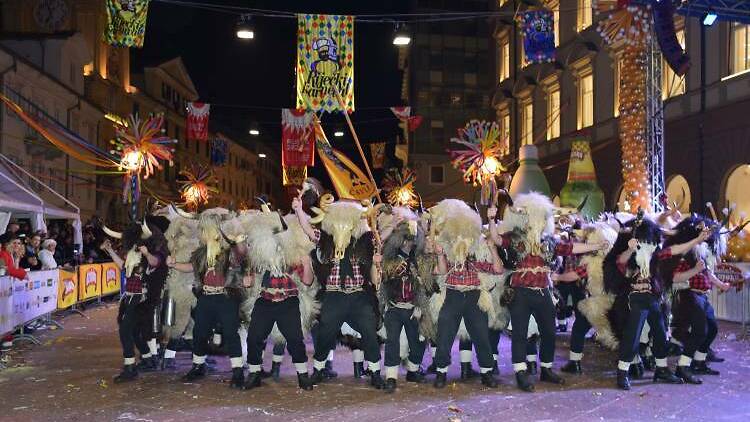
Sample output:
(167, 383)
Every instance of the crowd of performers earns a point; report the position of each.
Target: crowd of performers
(411, 280)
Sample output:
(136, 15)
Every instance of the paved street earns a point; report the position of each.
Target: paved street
(69, 377)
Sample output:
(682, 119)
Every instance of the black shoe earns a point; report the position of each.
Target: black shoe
(648, 363)
(415, 376)
(623, 381)
(198, 371)
(390, 385)
(439, 379)
(549, 376)
(263, 374)
(168, 363)
(304, 382)
(467, 372)
(328, 371)
(359, 369)
(523, 381)
(636, 370)
(129, 373)
(562, 328)
(252, 381)
(238, 378)
(665, 375)
(488, 380)
(711, 357)
(572, 367)
(700, 367)
(376, 380)
(687, 376)
(317, 377)
(432, 368)
(148, 364)
(531, 368)
(673, 349)
(275, 370)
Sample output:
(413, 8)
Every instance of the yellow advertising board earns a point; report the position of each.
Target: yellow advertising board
(110, 278)
(89, 281)
(67, 289)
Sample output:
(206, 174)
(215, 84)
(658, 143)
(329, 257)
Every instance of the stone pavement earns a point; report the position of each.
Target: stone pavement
(69, 378)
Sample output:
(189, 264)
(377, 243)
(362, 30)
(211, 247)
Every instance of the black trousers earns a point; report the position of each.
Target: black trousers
(643, 307)
(464, 305)
(132, 330)
(210, 310)
(528, 302)
(567, 290)
(581, 325)
(356, 310)
(395, 319)
(286, 315)
(494, 337)
(698, 316)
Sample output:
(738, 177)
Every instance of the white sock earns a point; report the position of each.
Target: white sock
(576, 356)
(199, 360)
(623, 366)
(319, 365)
(374, 366)
(465, 356)
(217, 339)
(391, 372)
(129, 361)
(153, 347)
(637, 359)
(170, 354)
(330, 356)
(684, 360)
(661, 363)
(263, 355)
(236, 362)
(547, 365)
(277, 358)
(411, 367)
(518, 367)
(530, 358)
(146, 356)
(494, 356)
(484, 370)
(433, 350)
(443, 370)
(358, 356)
(301, 367)
(700, 356)
(675, 341)
(254, 368)
(562, 321)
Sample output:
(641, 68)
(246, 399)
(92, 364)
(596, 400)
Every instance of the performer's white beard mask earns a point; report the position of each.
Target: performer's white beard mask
(132, 259)
(643, 258)
(704, 252)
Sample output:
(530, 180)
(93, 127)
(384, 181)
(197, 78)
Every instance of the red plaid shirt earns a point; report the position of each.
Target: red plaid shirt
(699, 281)
(350, 285)
(524, 276)
(468, 276)
(280, 288)
(134, 283)
(573, 265)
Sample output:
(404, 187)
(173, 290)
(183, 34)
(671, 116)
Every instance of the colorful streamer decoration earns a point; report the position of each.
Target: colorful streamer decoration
(539, 35)
(478, 156)
(126, 22)
(198, 185)
(399, 185)
(219, 152)
(325, 62)
(197, 121)
(629, 23)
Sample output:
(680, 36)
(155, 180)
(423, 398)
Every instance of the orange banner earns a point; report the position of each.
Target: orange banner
(89, 281)
(110, 278)
(67, 289)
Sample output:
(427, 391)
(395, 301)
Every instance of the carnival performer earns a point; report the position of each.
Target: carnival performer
(631, 271)
(527, 236)
(145, 271)
(219, 265)
(345, 265)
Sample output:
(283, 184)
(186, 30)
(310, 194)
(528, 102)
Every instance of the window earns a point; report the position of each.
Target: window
(527, 122)
(436, 77)
(504, 122)
(739, 51)
(584, 14)
(436, 131)
(437, 175)
(617, 79)
(671, 83)
(585, 100)
(553, 112)
(504, 66)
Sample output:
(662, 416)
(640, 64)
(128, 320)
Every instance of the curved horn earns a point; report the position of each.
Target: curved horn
(283, 223)
(182, 213)
(421, 205)
(232, 241)
(506, 195)
(145, 231)
(263, 204)
(111, 233)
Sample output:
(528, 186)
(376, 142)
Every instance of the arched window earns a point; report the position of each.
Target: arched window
(736, 191)
(678, 191)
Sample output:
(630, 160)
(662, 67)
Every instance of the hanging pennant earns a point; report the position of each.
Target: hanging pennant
(377, 150)
(126, 22)
(297, 138)
(219, 152)
(347, 179)
(325, 62)
(539, 35)
(197, 121)
(404, 114)
(294, 175)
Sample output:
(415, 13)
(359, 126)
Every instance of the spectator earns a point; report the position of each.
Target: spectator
(10, 254)
(47, 254)
(13, 227)
(30, 259)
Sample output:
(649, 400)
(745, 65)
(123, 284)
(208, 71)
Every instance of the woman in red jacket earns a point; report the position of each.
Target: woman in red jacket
(9, 255)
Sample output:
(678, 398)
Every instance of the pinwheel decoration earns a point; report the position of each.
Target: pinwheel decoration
(399, 185)
(477, 154)
(198, 185)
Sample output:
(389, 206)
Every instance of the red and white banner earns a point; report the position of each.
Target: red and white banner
(197, 121)
(297, 138)
(404, 114)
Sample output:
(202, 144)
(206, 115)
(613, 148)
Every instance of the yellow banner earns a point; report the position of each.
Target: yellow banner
(110, 278)
(293, 175)
(348, 180)
(89, 281)
(67, 289)
(325, 62)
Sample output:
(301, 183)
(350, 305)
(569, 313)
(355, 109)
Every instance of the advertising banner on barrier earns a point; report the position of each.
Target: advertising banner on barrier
(34, 297)
(7, 321)
(110, 278)
(67, 289)
(89, 281)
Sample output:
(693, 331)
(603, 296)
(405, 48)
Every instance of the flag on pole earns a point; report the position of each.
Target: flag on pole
(347, 179)
(197, 121)
(126, 22)
(377, 150)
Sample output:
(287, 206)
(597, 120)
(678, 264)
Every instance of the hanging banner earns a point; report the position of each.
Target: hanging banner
(126, 22)
(219, 151)
(293, 175)
(110, 278)
(197, 121)
(325, 62)
(404, 114)
(402, 153)
(348, 180)
(377, 150)
(297, 138)
(67, 289)
(539, 36)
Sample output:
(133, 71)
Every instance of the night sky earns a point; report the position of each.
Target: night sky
(251, 80)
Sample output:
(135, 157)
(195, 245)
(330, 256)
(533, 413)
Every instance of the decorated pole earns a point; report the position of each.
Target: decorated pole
(478, 156)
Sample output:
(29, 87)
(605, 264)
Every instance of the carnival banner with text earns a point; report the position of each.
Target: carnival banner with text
(348, 180)
(197, 121)
(126, 22)
(325, 62)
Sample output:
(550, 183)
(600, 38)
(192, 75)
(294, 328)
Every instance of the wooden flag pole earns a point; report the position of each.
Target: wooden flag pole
(356, 140)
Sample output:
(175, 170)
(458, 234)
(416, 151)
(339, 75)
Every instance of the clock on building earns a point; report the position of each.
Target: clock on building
(50, 14)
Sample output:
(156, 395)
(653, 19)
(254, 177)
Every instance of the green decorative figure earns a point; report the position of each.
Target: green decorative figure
(581, 182)
(529, 176)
